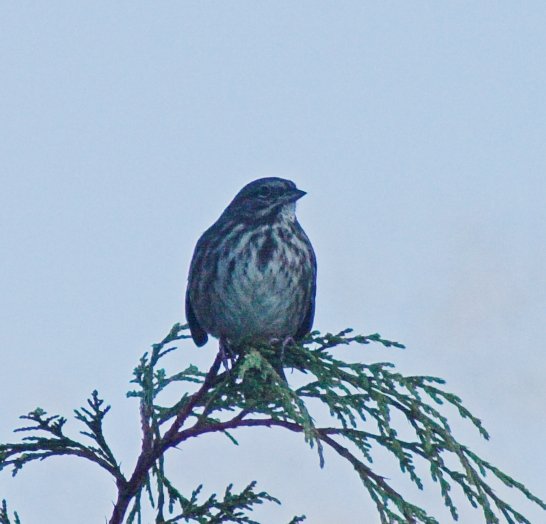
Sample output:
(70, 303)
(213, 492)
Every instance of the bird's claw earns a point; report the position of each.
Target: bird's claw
(226, 354)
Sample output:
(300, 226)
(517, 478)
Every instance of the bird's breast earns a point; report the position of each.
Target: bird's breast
(257, 287)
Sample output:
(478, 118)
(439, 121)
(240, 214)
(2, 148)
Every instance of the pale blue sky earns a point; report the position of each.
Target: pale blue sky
(418, 130)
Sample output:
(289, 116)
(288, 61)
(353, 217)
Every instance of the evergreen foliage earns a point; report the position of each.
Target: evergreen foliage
(364, 401)
(4, 515)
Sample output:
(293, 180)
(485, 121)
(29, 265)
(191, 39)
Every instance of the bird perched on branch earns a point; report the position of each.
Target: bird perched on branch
(253, 273)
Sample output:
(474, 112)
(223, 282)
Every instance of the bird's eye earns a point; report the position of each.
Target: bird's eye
(264, 192)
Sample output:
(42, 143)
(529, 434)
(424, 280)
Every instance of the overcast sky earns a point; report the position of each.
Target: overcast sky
(418, 130)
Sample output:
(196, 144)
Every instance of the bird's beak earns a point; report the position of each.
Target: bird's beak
(295, 194)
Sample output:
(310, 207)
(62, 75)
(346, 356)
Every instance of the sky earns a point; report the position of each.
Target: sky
(417, 130)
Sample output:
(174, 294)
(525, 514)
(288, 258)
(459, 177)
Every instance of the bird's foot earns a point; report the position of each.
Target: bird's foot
(283, 343)
(287, 342)
(226, 354)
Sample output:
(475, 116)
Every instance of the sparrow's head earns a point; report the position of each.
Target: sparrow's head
(265, 198)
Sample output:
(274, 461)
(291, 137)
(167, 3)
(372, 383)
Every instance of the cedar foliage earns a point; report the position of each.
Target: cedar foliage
(363, 401)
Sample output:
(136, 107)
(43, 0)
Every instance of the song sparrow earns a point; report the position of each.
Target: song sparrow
(253, 273)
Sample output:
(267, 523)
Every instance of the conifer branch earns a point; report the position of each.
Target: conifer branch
(362, 400)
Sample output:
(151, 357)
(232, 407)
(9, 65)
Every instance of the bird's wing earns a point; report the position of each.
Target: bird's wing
(198, 334)
(307, 322)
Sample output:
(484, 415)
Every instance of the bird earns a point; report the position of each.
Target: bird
(253, 274)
